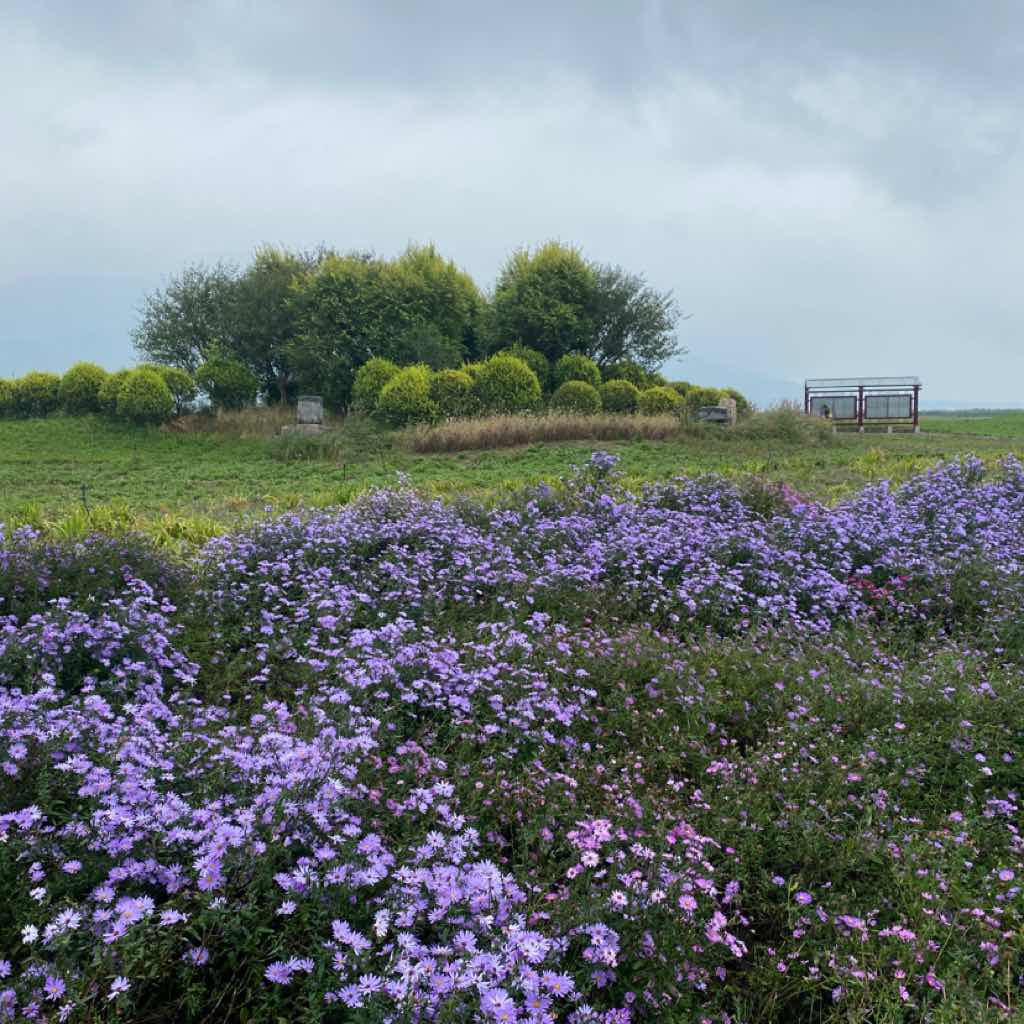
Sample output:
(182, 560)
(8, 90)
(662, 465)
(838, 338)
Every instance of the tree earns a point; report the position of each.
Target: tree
(264, 318)
(543, 300)
(354, 307)
(631, 321)
(227, 382)
(182, 322)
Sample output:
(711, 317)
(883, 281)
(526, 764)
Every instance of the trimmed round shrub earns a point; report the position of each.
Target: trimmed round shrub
(144, 398)
(536, 361)
(505, 384)
(36, 394)
(681, 387)
(473, 369)
(620, 395)
(180, 383)
(6, 398)
(743, 405)
(577, 396)
(406, 398)
(227, 383)
(626, 369)
(659, 400)
(369, 382)
(80, 388)
(696, 397)
(452, 392)
(576, 367)
(110, 390)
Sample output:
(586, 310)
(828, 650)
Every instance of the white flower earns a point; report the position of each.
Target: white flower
(29, 934)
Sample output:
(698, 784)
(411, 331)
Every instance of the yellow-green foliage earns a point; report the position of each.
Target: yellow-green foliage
(36, 394)
(406, 398)
(576, 367)
(452, 392)
(80, 388)
(6, 398)
(369, 382)
(659, 400)
(697, 397)
(506, 384)
(144, 398)
(576, 396)
(620, 395)
(110, 390)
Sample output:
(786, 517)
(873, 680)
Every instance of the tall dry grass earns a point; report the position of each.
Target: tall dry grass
(253, 422)
(509, 431)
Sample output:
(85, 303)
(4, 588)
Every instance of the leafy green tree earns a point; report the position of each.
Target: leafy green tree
(227, 383)
(354, 307)
(626, 369)
(630, 320)
(180, 324)
(544, 300)
(80, 388)
(264, 317)
(144, 398)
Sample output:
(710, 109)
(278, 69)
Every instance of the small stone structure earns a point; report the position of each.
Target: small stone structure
(724, 412)
(310, 413)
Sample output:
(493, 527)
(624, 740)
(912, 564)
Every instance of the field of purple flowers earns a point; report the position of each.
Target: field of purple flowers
(699, 754)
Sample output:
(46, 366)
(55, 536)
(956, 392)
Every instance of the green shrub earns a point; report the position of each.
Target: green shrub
(658, 400)
(406, 398)
(505, 384)
(655, 380)
(696, 397)
(6, 398)
(681, 387)
(144, 398)
(536, 361)
(620, 395)
(574, 366)
(452, 392)
(227, 383)
(80, 388)
(36, 394)
(369, 382)
(180, 383)
(743, 405)
(109, 392)
(626, 369)
(473, 369)
(576, 396)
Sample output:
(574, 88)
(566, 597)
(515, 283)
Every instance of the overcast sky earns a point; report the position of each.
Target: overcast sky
(828, 187)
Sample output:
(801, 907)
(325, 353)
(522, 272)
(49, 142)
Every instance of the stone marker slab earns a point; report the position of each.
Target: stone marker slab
(310, 409)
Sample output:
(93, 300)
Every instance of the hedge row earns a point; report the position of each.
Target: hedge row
(148, 394)
(514, 381)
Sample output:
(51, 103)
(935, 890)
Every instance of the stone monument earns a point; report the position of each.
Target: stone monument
(310, 416)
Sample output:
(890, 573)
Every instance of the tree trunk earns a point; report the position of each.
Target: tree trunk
(282, 388)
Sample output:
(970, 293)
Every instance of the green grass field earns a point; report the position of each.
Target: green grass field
(1000, 424)
(190, 485)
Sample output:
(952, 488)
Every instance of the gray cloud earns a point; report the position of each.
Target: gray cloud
(829, 188)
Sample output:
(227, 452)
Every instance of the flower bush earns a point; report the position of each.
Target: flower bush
(587, 756)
